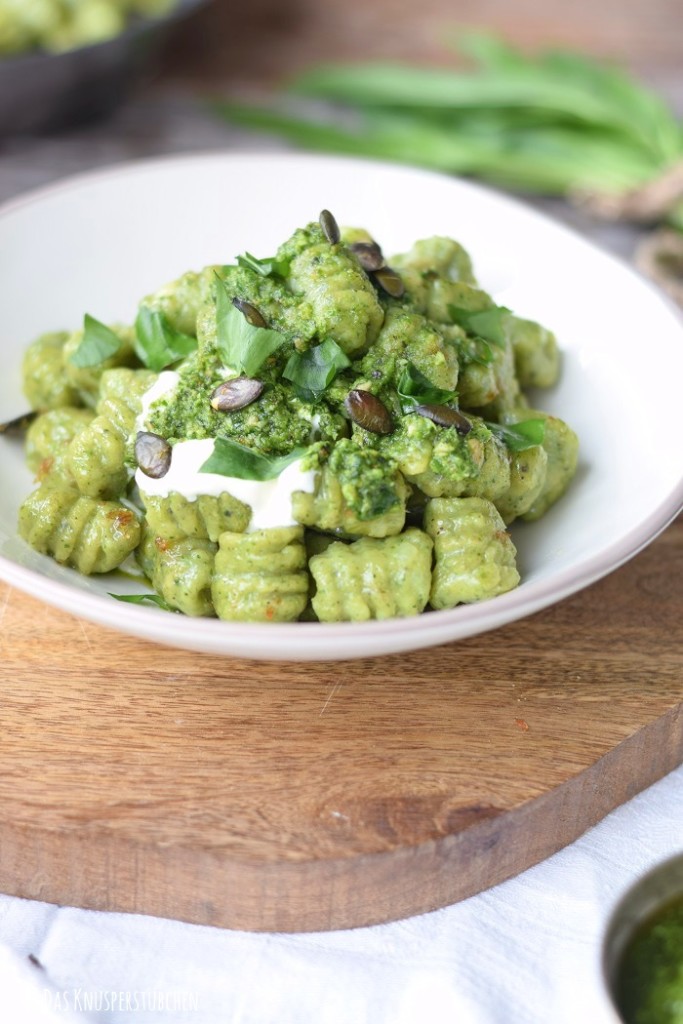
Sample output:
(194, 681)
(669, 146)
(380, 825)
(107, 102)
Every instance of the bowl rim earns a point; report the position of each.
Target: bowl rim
(464, 620)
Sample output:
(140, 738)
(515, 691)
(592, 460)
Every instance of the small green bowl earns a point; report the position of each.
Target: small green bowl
(642, 954)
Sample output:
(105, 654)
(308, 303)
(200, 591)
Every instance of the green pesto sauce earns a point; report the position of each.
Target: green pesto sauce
(367, 478)
(300, 240)
(452, 453)
(273, 425)
(418, 445)
(650, 981)
(368, 466)
(281, 310)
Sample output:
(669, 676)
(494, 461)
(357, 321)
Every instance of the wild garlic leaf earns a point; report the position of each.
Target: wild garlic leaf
(154, 599)
(488, 324)
(157, 345)
(520, 436)
(475, 350)
(243, 347)
(98, 344)
(313, 371)
(269, 266)
(415, 389)
(232, 459)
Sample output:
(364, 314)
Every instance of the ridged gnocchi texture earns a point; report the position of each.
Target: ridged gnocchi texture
(474, 554)
(397, 393)
(205, 518)
(261, 576)
(373, 579)
(342, 300)
(89, 535)
(96, 458)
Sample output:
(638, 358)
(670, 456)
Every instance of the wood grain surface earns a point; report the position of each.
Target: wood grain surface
(314, 796)
(268, 41)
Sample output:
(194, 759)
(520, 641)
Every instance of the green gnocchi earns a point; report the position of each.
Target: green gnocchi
(318, 435)
(57, 25)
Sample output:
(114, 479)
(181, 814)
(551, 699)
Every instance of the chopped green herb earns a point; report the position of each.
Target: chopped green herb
(232, 459)
(98, 344)
(313, 371)
(488, 324)
(243, 347)
(520, 436)
(270, 266)
(415, 389)
(154, 599)
(475, 351)
(157, 345)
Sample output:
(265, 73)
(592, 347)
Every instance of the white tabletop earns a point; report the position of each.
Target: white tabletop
(525, 952)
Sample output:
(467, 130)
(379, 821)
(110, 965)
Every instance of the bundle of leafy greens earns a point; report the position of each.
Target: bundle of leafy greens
(557, 123)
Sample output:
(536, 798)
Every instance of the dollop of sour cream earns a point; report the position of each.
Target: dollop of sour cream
(270, 500)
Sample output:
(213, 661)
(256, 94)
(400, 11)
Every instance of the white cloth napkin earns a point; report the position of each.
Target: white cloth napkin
(525, 952)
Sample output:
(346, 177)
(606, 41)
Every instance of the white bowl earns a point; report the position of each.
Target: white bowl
(98, 243)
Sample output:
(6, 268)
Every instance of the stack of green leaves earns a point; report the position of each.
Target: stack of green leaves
(556, 123)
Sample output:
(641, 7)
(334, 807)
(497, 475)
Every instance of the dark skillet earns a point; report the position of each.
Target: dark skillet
(42, 92)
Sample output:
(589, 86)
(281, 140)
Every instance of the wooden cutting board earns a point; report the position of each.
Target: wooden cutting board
(134, 777)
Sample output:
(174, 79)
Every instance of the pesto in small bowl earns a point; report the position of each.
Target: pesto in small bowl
(650, 980)
(644, 949)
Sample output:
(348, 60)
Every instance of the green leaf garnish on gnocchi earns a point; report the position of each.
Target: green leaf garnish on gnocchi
(270, 266)
(153, 599)
(156, 343)
(520, 436)
(415, 389)
(236, 460)
(242, 346)
(97, 345)
(312, 371)
(488, 324)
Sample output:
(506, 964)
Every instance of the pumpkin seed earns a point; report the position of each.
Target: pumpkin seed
(236, 393)
(249, 312)
(330, 227)
(368, 254)
(389, 281)
(18, 423)
(445, 416)
(368, 412)
(152, 454)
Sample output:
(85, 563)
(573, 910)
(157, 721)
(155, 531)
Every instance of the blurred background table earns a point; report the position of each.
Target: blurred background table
(227, 49)
(428, 968)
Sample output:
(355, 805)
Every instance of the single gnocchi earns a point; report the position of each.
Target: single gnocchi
(373, 579)
(474, 553)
